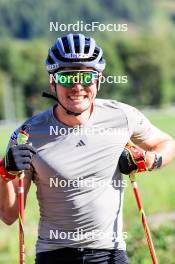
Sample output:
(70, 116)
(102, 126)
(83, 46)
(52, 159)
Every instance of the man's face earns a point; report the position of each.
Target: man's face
(78, 98)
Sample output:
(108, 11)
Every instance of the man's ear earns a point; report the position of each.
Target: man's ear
(100, 76)
(99, 81)
(52, 83)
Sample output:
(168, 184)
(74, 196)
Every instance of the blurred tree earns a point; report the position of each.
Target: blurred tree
(136, 11)
(29, 18)
(114, 67)
(7, 103)
(148, 66)
(148, 62)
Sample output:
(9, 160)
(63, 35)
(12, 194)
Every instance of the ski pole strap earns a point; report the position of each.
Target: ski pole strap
(138, 157)
(5, 175)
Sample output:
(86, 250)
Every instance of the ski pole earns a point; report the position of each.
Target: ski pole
(144, 220)
(21, 139)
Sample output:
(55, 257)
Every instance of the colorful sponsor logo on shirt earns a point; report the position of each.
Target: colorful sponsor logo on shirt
(14, 136)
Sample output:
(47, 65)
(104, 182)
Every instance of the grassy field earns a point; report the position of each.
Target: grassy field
(157, 192)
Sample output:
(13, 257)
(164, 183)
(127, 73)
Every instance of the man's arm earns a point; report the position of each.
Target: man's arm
(17, 158)
(159, 146)
(9, 199)
(161, 143)
(149, 154)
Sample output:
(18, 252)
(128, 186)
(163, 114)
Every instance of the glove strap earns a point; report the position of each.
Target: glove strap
(5, 175)
(138, 157)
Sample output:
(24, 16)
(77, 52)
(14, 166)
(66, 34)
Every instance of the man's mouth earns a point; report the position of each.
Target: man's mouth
(77, 97)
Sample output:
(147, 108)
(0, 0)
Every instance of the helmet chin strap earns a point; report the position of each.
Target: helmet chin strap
(47, 95)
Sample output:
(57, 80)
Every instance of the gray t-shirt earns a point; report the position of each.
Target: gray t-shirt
(79, 186)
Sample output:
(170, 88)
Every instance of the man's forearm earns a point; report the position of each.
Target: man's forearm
(166, 149)
(8, 202)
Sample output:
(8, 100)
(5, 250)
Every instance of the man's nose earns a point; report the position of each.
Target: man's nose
(77, 87)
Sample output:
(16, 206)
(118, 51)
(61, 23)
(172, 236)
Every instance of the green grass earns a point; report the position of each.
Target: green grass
(157, 194)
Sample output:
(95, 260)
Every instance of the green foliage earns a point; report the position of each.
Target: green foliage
(29, 18)
(148, 63)
(164, 242)
(132, 10)
(22, 62)
(147, 58)
(2, 81)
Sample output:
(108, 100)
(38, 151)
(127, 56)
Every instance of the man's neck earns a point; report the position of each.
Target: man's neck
(71, 120)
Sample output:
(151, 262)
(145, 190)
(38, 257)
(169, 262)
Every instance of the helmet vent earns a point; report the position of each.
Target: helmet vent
(50, 60)
(76, 43)
(66, 44)
(87, 46)
(57, 53)
(96, 52)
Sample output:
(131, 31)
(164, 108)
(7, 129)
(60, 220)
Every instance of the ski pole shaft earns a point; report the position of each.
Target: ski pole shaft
(22, 139)
(21, 217)
(144, 220)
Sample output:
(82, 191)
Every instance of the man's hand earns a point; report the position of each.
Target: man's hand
(19, 157)
(132, 160)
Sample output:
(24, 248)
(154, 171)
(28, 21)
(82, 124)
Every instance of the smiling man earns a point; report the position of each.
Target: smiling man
(74, 99)
(80, 218)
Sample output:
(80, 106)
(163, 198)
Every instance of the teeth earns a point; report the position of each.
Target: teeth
(76, 97)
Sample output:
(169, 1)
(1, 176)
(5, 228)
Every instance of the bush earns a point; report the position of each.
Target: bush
(163, 239)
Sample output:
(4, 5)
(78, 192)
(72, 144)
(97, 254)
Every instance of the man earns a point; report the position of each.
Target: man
(74, 158)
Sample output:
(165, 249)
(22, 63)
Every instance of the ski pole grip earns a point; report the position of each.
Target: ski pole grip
(23, 135)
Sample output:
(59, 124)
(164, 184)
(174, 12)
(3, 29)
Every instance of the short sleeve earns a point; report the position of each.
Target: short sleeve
(140, 128)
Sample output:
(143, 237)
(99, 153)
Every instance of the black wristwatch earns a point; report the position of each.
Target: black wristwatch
(157, 162)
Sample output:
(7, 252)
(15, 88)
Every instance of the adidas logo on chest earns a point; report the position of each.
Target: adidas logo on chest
(80, 143)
